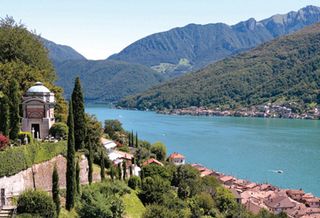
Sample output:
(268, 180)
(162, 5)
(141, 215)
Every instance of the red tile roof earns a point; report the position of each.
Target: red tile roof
(152, 160)
(176, 156)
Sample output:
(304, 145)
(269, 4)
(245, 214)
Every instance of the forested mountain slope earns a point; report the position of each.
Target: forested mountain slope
(106, 81)
(284, 70)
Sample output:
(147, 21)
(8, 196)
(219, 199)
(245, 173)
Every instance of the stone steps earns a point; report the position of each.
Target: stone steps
(7, 211)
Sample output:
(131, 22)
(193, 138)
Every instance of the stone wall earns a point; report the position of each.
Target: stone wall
(40, 176)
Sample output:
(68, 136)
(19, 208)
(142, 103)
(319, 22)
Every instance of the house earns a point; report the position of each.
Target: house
(177, 159)
(227, 180)
(108, 144)
(296, 194)
(312, 202)
(279, 204)
(152, 161)
(236, 195)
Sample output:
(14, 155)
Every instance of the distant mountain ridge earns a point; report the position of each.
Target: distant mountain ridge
(191, 47)
(285, 71)
(105, 81)
(60, 53)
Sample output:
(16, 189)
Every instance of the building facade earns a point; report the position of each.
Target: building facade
(38, 111)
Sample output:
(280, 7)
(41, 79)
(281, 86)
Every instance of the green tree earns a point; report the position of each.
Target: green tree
(102, 167)
(183, 190)
(55, 189)
(14, 109)
(59, 129)
(79, 115)
(4, 116)
(37, 203)
(159, 211)
(78, 187)
(137, 140)
(90, 163)
(112, 173)
(160, 150)
(124, 170)
(153, 190)
(112, 126)
(71, 172)
(119, 171)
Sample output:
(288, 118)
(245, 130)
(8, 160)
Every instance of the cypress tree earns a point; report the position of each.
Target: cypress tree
(90, 162)
(124, 169)
(129, 140)
(55, 189)
(71, 172)
(78, 177)
(137, 141)
(132, 139)
(14, 109)
(102, 167)
(112, 172)
(131, 171)
(119, 171)
(79, 115)
(4, 116)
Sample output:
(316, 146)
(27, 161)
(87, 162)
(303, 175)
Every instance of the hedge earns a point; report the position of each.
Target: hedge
(16, 159)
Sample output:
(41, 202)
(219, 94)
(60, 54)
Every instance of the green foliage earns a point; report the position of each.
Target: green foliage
(160, 150)
(71, 171)
(153, 190)
(59, 129)
(36, 202)
(159, 211)
(133, 206)
(225, 201)
(14, 109)
(112, 126)
(102, 200)
(134, 182)
(4, 116)
(16, 159)
(79, 115)
(23, 58)
(286, 69)
(55, 189)
(152, 170)
(102, 167)
(93, 134)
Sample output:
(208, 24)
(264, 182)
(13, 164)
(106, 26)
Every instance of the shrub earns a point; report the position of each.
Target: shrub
(160, 150)
(102, 200)
(36, 202)
(58, 130)
(134, 182)
(159, 211)
(22, 136)
(16, 159)
(4, 141)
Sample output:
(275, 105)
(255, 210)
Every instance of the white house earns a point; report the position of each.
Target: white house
(177, 159)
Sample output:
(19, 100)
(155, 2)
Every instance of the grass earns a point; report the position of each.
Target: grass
(133, 206)
(68, 214)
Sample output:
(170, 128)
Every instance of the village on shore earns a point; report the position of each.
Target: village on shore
(267, 111)
(253, 196)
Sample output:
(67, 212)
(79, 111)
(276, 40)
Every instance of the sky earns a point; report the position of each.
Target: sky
(100, 28)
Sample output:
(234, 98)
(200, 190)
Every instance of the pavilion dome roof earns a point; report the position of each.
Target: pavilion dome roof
(38, 88)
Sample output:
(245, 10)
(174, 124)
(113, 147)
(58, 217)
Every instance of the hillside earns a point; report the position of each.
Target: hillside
(59, 53)
(106, 81)
(191, 47)
(284, 70)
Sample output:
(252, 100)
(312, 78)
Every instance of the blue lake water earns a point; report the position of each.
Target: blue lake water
(248, 148)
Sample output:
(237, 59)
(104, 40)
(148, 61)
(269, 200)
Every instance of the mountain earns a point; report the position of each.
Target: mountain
(59, 53)
(286, 70)
(191, 47)
(106, 81)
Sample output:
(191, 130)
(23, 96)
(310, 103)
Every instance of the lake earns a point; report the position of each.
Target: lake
(248, 148)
